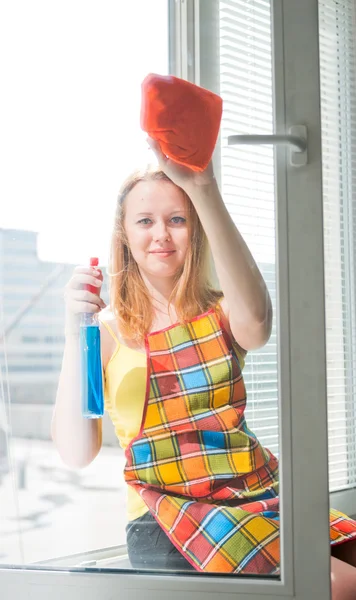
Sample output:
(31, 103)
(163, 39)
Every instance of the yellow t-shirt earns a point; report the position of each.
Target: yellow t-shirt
(124, 391)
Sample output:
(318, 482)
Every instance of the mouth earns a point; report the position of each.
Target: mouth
(163, 253)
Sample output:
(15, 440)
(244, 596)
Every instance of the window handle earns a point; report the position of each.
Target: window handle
(296, 139)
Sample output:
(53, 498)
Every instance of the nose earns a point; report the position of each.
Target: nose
(160, 232)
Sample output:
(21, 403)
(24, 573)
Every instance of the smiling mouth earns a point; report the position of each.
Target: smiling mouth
(162, 251)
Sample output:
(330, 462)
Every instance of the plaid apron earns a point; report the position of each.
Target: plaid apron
(209, 483)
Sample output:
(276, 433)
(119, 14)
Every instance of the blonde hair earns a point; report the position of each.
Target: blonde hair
(130, 300)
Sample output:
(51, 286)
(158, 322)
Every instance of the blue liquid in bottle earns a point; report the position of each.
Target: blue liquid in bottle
(92, 395)
(91, 377)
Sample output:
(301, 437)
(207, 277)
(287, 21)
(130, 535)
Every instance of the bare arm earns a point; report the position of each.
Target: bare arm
(246, 304)
(77, 439)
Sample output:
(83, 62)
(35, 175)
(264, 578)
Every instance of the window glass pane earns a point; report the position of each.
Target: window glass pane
(248, 180)
(81, 138)
(70, 135)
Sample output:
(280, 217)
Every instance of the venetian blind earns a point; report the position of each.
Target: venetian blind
(247, 179)
(338, 106)
(248, 189)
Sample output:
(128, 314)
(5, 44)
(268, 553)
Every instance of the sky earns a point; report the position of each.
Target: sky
(72, 71)
(69, 122)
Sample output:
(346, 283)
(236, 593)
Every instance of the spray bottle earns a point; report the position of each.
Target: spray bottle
(92, 395)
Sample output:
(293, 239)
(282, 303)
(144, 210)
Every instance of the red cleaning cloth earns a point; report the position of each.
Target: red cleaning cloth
(184, 118)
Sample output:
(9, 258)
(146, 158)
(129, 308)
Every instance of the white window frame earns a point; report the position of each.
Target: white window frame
(301, 328)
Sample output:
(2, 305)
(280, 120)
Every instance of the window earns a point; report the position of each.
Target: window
(80, 137)
(266, 87)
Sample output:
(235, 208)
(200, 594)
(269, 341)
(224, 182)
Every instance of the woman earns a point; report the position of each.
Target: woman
(203, 492)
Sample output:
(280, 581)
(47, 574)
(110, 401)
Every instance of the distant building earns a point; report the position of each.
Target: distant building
(35, 342)
(33, 323)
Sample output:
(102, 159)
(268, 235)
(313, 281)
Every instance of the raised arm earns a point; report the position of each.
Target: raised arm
(246, 304)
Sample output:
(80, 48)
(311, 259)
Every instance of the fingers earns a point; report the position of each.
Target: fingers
(81, 301)
(83, 269)
(80, 279)
(154, 145)
(85, 296)
(77, 298)
(94, 271)
(83, 307)
(151, 142)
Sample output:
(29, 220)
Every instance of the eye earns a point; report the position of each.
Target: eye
(144, 221)
(178, 220)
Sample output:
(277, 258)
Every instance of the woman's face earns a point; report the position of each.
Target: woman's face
(156, 227)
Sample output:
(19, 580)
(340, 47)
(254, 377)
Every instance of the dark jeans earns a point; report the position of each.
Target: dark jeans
(150, 548)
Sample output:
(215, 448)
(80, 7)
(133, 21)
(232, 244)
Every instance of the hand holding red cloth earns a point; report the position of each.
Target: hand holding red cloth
(182, 117)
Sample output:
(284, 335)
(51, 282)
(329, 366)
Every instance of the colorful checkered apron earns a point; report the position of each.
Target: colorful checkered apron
(209, 483)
